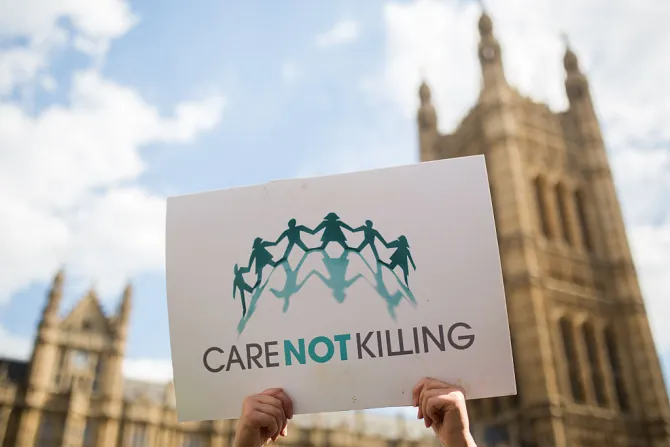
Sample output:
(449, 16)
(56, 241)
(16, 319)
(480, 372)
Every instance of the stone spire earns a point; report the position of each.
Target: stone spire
(579, 95)
(426, 117)
(576, 84)
(50, 313)
(123, 311)
(490, 55)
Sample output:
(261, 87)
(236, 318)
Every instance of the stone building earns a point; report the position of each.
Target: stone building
(72, 393)
(588, 373)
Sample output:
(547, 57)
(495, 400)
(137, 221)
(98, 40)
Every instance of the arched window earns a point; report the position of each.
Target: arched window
(572, 360)
(583, 221)
(594, 360)
(564, 213)
(97, 375)
(90, 433)
(539, 186)
(62, 357)
(617, 372)
(139, 435)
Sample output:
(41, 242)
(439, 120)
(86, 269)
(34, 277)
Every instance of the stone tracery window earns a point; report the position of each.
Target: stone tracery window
(580, 203)
(564, 212)
(50, 431)
(90, 433)
(192, 440)
(138, 435)
(97, 375)
(593, 353)
(60, 368)
(539, 187)
(80, 360)
(617, 371)
(572, 360)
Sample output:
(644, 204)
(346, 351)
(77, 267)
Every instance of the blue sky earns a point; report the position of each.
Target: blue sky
(272, 91)
(271, 128)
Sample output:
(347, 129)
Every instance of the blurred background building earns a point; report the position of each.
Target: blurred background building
(587, 370)
(73, 393)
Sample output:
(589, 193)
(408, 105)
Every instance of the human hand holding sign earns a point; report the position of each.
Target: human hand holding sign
(441, 406)
(264, 417)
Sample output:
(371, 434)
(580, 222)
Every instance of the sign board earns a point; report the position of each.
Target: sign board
(344, 290)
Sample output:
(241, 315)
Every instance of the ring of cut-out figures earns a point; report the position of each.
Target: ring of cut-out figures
(332, 228)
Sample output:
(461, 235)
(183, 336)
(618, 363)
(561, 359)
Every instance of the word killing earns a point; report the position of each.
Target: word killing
(374, 344)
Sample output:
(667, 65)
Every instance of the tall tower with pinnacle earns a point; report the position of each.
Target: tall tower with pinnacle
(588, 373)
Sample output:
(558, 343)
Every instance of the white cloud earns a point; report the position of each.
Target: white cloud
(104, 19)
(342, 33)
(441, 37)
(651, 247)
(643, 180)
(20, 65)
(116, 235)
(67, 172)
(95, 24)
(60, 174)
(149, 370)
(627, 66)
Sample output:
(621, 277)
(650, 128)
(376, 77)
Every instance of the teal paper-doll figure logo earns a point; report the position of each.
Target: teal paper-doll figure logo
(335, 268)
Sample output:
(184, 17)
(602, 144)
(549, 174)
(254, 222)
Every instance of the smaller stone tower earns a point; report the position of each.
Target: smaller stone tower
(76, 359)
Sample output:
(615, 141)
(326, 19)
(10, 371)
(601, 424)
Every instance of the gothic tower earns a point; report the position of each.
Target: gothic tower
(587, 370)
(74, 391)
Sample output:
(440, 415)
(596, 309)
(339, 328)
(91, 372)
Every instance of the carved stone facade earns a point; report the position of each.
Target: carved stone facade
(588, 373)
(72, 393)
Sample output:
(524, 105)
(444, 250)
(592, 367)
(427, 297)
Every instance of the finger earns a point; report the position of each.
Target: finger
(422, 406)
(416, 391)
(265, 420)
(450, 392)
(428, 415)
(286, 400)
(276, 407)
(271, 400)
(276, 413)
(436, 406)
(286, 404)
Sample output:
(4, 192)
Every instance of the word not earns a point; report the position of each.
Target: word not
(321, 349)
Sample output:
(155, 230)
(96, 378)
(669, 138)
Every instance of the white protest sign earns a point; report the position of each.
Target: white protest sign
(344, 290)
